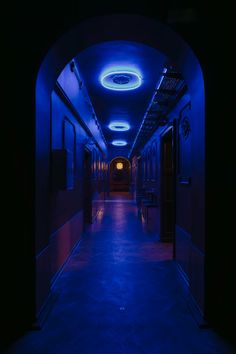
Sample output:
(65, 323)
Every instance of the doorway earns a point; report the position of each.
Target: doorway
(119, 179)
(167, 211)
(87, 190)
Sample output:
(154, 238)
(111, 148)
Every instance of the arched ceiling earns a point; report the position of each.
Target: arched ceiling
(110, 105)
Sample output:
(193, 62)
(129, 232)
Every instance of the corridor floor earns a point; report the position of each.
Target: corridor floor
(119, 294)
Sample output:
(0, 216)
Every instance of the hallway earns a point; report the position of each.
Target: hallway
(119, 294)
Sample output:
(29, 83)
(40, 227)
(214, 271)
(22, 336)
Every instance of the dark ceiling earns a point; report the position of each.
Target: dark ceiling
(129, 106)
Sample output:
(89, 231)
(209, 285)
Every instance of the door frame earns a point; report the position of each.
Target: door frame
(87, 184)
(109, 171)
(170, 130)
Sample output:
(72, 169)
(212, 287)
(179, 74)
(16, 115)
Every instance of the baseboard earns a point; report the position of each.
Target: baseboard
(53, 296)
(193, 306)
(197, 313)
(45, 311)
(60, 270)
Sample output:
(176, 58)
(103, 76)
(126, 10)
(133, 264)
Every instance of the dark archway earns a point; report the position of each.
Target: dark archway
(119, 175)
(146, 31)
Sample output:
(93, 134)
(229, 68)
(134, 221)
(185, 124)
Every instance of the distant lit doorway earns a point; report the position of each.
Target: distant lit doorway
(119, 178)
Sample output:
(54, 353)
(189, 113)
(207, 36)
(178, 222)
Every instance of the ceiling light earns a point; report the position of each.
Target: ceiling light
(119, 142)
(122, 80)
(119, 126)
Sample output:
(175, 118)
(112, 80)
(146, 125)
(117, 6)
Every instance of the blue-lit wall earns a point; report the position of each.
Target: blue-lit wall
(71, 127)
(80, 100)
(189, 237)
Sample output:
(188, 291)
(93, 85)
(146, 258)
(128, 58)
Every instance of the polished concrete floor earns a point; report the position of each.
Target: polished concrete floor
(119, 294)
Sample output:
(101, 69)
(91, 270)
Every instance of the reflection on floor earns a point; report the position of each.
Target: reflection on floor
(119, 294)
(120, 196)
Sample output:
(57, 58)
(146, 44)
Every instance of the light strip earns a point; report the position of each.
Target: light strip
(149, 106)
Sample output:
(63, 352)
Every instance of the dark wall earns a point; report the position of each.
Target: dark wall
(212, 38)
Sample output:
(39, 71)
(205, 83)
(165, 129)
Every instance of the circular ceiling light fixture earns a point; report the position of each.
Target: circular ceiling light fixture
(119, 126)
(119, 142)
(122, 80)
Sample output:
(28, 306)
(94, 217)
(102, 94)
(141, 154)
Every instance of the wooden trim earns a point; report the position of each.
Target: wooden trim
(191, 302)
(169, 130)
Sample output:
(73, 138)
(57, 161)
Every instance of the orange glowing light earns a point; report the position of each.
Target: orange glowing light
(119, 165)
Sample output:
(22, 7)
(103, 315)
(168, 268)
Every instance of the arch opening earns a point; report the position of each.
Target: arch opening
(119, 177)
(187, 117)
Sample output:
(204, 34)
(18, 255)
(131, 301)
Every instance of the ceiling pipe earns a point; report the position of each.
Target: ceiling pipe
(148, 109)
(74, 69)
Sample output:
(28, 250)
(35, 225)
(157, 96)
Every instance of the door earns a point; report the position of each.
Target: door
(87, 197)
(167, 186)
